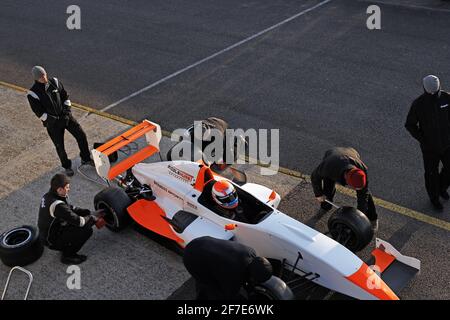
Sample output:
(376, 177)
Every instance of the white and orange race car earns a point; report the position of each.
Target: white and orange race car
(173, 200)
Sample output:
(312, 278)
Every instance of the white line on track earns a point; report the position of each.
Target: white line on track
(154, 84)
(407, 6)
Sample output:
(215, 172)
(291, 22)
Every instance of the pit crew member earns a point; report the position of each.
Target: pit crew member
(50, 102)
(343, 166)
(63, 227)
(428, 122)
(222, 267)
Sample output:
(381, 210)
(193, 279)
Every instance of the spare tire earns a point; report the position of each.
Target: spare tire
(351, 228)
(20, 246)
(115, 202)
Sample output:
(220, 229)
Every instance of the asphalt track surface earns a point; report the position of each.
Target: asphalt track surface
(118, 266)
(322, 78)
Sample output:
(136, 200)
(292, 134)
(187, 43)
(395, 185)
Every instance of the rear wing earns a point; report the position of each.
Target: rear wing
(152, 133)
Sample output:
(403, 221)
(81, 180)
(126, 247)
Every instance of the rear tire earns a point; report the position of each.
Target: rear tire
(115, 202)
(20, 246)
(351, 228)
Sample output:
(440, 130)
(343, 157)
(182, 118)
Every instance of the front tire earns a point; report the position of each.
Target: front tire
(351, 228)
(115, 202)
(272, 289)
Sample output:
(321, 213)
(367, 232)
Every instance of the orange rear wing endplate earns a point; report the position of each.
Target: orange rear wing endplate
(152, 133)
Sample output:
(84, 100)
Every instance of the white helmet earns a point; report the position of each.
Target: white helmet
(224, 194)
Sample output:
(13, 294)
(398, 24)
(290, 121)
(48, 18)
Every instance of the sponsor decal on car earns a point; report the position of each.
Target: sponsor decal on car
(179, 174)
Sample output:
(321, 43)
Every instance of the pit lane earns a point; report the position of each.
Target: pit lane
(129, 265)
(323, 78)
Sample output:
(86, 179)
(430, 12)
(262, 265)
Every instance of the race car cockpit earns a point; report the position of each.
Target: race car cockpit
(250, 210)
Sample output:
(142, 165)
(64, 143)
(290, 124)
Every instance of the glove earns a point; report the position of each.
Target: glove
(321, 198)
(100, 223)
(66, 119)
(100, 213)
(89, 221)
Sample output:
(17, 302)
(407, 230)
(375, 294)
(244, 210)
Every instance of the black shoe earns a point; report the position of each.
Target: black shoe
(325, 206)
(73, 259)
(444, 195)
(437, 205)
(69, 172)
(89, 162)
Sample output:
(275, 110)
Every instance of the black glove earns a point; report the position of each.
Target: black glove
(89, 221)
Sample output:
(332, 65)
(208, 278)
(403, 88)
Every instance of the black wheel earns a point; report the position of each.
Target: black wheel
(351, 228)
(20, 246)
(115, 202)
(272, 289)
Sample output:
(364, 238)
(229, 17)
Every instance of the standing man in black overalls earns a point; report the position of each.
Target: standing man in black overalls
(51, 104)
(428, 122)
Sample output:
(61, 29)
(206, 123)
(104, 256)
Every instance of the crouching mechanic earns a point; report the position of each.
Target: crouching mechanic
(221, 268)
(62, 226)
(343, 166)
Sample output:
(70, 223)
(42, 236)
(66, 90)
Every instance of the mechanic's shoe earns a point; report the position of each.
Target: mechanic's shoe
(73, 259)
(444, 195)
(437, 205)
(69, 172)
(326, 206)
(90, 162)
(374, 224)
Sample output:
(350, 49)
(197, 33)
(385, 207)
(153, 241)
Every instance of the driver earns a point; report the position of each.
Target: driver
(227, 201)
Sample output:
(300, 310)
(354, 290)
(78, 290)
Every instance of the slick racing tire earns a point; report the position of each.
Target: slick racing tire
(272, 289)
(20, 246)
(115, 202)
(351, 228)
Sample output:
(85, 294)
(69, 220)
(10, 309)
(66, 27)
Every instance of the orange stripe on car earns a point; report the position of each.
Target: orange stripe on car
(149, 215)
(126, 137)
(369, 281)
(272, 196)
(230, 226)
(382, 259)
(204, 176)
(127, 163)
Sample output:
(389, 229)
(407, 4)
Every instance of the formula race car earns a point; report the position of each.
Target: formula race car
(173, 200)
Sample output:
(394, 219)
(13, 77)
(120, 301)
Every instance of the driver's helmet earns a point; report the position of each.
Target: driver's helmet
(224, 194)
